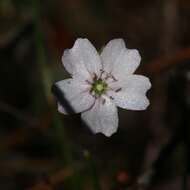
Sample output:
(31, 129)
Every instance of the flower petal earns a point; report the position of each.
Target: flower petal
(132, 92)
(82, 59)
(111, 53)
(76, 96)
(131, 101)
(102, 117)
(126, 64)
(118, 60)
(138, 83)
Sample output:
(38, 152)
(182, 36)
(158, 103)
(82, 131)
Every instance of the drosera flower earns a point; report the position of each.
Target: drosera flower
(102, 82)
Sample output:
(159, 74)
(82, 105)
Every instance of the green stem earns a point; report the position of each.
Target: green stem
(40, 52)
(93, 170)
(61, 141)
(185, 175)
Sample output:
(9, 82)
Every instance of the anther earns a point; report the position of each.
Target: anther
(103, 101)
(111, 97)
(117, 90)
(88, 81)
(113, 78)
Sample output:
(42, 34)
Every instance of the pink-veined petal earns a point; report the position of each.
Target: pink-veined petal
(102, 117)
(131, 101)
(82, 60)
(138, 83)
(126, 64)
(131, 93)
(76, 96)
(111, 53)
(118, 60)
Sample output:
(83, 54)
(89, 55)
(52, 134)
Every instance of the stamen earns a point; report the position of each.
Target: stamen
(113, 78)
(87, 81)
(94, 76)
(102, 72)
(109, 75)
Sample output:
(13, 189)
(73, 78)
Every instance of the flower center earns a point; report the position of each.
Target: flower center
(99, 87)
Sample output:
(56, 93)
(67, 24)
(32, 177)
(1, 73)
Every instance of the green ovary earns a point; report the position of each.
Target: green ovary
(99, 87)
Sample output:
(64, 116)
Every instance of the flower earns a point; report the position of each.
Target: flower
(102, 82)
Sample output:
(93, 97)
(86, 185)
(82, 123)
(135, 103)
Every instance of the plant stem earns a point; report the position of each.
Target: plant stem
(61, 141)
(92, 170)
(185, 175)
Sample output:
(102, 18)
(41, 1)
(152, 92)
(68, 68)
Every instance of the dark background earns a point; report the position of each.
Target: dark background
(41, 149)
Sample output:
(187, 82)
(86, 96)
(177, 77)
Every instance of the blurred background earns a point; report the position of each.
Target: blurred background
(41, 149)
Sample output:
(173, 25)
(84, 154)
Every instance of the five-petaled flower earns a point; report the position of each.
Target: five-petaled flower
(99, 83)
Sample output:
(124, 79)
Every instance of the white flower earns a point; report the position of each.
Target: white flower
(99, 83)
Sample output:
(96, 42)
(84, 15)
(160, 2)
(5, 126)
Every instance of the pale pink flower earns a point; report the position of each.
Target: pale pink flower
(102, 82)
